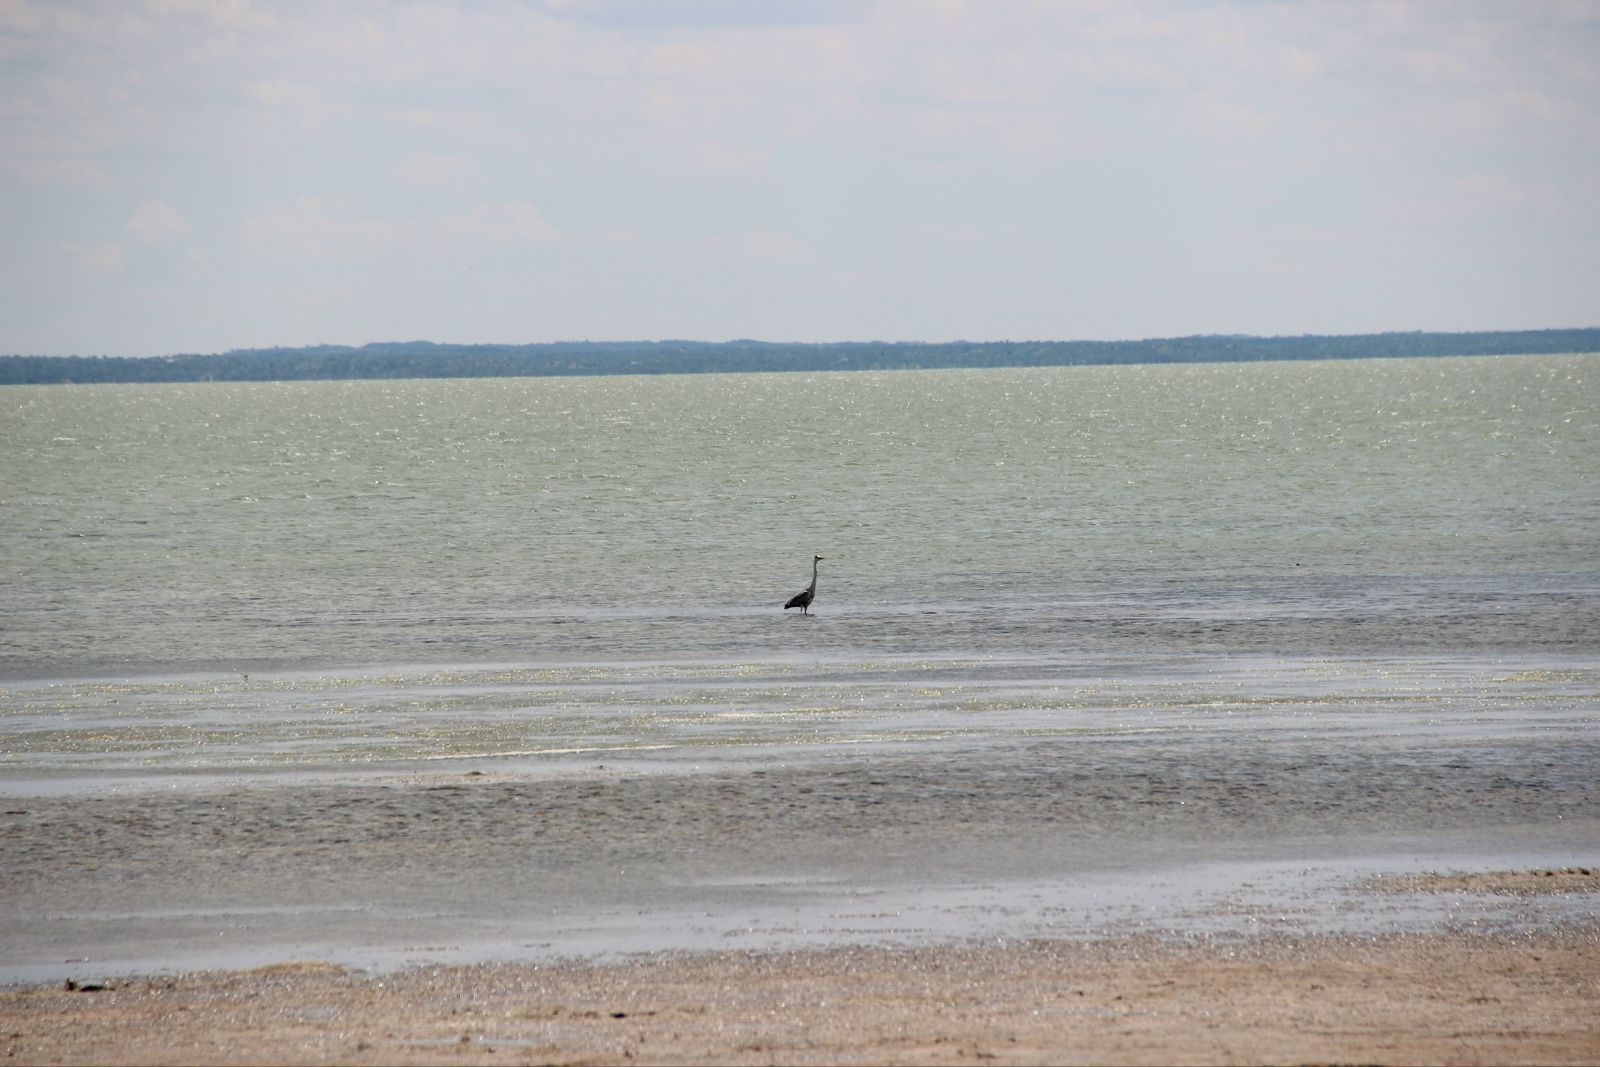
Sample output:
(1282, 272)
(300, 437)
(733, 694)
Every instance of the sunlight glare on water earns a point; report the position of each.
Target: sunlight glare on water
(1005, 536)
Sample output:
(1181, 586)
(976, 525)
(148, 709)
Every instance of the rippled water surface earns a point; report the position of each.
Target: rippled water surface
(211, 576)
(395, 672)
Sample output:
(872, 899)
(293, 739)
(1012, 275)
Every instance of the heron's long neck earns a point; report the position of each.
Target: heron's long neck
(813, 574)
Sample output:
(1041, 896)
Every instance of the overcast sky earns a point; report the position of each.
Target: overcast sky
(200, 175)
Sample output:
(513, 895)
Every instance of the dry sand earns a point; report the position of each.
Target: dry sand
(1499, 883)
(1451, 997)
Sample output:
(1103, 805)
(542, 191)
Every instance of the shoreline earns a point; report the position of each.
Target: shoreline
(1234, 885)
(1227, 905)
(1456, 996)
(1099, 837)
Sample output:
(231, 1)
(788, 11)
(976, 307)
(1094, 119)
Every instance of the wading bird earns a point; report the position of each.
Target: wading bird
(802, 599)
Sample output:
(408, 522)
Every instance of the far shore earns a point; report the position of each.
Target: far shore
(1444, 997)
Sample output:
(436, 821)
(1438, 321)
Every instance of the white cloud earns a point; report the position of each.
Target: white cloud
(21, 17)
(960, 233)
(515, 221)
(1475, 200)
(761, 245)
(286, 94)
(233, 14)
(619, 236)
(104, 259)
(298, 101)
(156, 223)
(78, 173)
(713, 157)
(430, 170)
(316, 229)
(981, 151)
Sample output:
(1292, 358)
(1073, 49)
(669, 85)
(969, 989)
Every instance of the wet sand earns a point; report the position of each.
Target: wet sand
(1103, 900)
(1436, 998)
(1084, 840)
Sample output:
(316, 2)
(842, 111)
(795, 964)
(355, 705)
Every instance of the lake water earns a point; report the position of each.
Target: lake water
(394, 671)
(209, 576)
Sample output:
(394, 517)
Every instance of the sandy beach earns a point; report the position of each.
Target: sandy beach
(1405, 891)
(942, 908)
(1439, 998)
(1225, 887)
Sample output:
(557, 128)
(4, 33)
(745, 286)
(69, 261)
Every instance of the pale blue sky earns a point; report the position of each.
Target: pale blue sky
(199, 175)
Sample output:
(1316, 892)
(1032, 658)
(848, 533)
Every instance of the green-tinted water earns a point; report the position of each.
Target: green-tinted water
(1308, 507)
(389, 670)
(304, 574)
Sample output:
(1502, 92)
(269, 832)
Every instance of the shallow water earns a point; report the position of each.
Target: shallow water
(1212, 830)
(367, 668)
(356, 571)
(1315, 508)
(543, 720)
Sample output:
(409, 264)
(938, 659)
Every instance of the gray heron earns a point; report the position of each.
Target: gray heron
(802, 599)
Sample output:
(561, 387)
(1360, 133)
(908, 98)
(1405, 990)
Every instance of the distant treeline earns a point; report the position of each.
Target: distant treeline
(425, 359)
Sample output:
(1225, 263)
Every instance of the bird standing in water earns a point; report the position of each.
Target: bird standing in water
(802, 599)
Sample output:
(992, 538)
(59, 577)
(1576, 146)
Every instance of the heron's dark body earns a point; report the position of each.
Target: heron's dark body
(802, 599)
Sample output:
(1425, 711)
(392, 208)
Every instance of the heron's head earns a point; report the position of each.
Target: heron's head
(818, 559)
